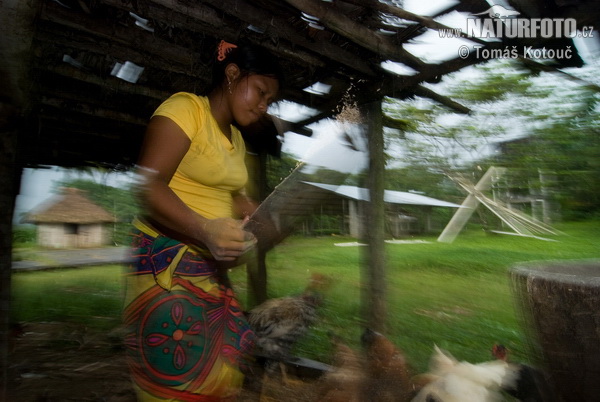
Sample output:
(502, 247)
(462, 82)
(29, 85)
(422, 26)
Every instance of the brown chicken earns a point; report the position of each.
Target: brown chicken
(379, 374)
(388, 373)
(346, 381)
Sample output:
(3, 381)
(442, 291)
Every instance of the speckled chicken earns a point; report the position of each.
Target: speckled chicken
(279, 323)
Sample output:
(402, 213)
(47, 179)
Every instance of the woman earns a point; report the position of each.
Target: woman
(187, 337)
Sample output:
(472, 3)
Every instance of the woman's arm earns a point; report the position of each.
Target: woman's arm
(165, 145)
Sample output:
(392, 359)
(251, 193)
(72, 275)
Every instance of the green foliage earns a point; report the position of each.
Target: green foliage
(496, 81)
(567, 150)
(325, 224)
(23, 236)
(556, 122)
(278, 169)
(327, 176)
(423, 179)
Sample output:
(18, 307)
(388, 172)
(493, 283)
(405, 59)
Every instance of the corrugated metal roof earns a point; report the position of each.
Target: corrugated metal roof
(393, 197)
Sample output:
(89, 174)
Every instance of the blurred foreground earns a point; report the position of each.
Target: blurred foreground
(56, 362)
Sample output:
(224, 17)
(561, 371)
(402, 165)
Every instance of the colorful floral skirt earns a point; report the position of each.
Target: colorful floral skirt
(187, 337)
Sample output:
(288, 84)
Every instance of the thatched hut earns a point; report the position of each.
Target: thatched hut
(71, 220)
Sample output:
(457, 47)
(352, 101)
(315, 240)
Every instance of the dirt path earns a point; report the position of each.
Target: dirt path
(62, 362)
(58, 362)
(48, 259)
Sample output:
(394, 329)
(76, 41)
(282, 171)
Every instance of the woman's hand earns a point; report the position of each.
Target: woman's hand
(225, 238)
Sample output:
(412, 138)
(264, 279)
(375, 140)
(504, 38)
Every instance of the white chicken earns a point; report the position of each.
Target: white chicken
(450, 380)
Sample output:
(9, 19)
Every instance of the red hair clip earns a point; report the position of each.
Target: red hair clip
(224, 49)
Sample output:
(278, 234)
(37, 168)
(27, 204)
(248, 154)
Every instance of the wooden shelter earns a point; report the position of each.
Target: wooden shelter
(346, 202)
(81, 77)
(71, 220)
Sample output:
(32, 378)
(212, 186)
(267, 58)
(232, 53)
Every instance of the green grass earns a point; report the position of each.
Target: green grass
(457, 295)
(91, 295)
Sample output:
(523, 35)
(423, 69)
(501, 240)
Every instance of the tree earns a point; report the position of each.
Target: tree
(568, 150)
(539, 126)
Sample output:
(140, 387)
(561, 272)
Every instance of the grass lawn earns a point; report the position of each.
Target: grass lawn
(457, 295)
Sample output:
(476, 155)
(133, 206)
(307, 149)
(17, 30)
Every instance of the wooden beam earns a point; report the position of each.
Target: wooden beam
(110, 83)
(433, 73)
(209, 20)
(421, 20)
(93, 110)
(444, 100)
(107, 54)
(120, 42)
(277, 27)
(536, 67)
(203, 18)
(356, 32)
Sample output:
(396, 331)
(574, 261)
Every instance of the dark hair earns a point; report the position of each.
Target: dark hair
(251, 59)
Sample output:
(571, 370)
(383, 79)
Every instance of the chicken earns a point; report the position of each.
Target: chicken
(279, 323)
(379, 374)
(454, 381)
(530, 385)
(346, 380)
(388, 373)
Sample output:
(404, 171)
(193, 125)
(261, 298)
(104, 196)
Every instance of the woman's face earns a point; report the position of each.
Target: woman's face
(251, 96)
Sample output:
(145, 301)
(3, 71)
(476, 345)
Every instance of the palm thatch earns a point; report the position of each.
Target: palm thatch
(71, 206)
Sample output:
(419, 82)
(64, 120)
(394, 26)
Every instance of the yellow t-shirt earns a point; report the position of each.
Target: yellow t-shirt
(213, 167)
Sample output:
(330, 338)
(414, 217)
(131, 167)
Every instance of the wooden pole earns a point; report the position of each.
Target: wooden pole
(374, 295)
(256, 268)
(16, 18)
(9, 181)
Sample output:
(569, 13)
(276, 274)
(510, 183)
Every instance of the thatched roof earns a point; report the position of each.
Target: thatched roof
(72, 206)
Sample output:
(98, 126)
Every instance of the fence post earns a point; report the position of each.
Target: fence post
(374, 296)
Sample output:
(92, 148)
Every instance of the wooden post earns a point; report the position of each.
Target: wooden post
(9, 182)
(256, 268)
(16, 18)
(374, 290)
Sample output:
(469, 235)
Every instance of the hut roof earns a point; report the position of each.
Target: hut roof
(71, 206)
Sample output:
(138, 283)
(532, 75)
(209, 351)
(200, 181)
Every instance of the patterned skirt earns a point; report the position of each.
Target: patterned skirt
(187, 337)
